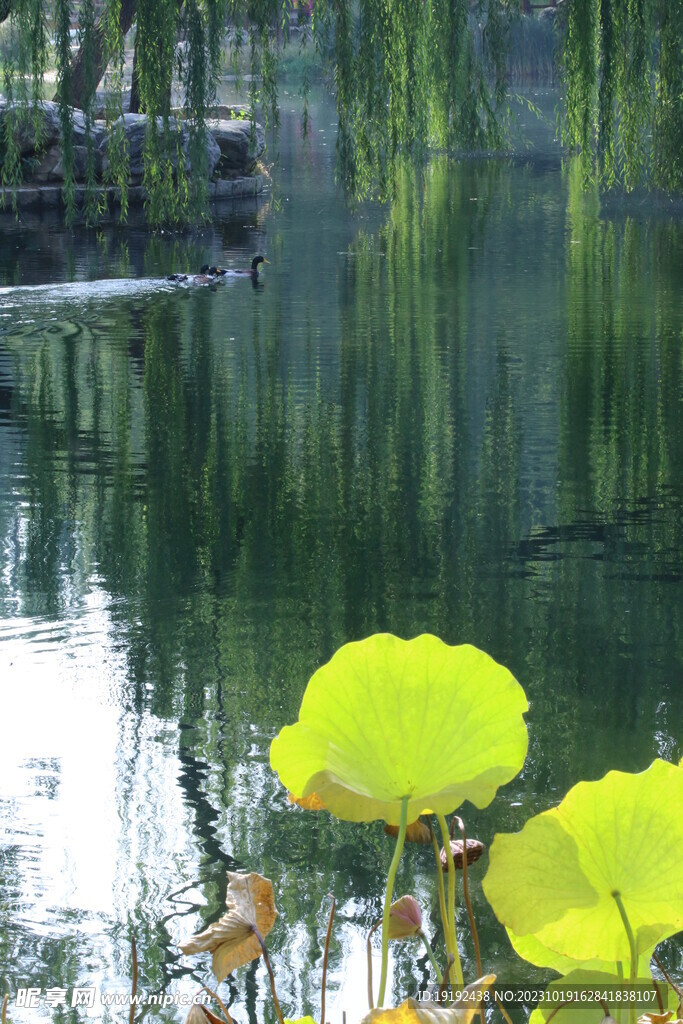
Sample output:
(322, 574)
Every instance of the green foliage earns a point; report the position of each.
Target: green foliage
(622, 69)
(591, 1011)
(117, 149)
(86, 33)
(600, 876)
(409, 78)
(63, 48)
(388, 720)
(668, 133)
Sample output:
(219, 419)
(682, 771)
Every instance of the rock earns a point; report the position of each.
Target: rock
(101, 100)
(49, 127)
(239, 148)
(221, 112)
(232, 147)
(80, 165)
(237, 112)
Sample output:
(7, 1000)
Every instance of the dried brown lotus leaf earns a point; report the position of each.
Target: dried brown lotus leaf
(309, 803)
(416, 832)
(211, 1017)
(231, 939)
(200, 1015)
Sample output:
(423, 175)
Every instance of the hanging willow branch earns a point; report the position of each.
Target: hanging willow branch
(409, 77)
(624, 89)
(63, 53)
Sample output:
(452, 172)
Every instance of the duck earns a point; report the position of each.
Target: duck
(206, 275)
(222, 272)
(253, 271)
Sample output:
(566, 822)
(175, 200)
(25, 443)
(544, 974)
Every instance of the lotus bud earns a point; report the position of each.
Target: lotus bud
(416, 832)
(474, 852)
(405, 918)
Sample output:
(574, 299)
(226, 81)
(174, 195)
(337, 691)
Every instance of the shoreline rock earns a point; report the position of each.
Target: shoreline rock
(49, 197)
(233, 147)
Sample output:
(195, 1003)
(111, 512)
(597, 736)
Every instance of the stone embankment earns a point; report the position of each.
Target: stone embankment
(233, 148)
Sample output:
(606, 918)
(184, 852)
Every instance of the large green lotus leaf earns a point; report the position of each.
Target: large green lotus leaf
(530, 948)
(556, 878)
(593, 1012)
(388, 718)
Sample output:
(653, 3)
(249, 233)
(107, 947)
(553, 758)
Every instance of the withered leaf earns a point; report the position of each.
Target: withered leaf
(200, 1015)
(231, 939)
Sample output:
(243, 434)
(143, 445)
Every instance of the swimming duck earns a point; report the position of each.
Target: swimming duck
(253, 273)
(222, 272)
(206, 275)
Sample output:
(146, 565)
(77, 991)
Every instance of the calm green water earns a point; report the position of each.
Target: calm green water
(462, 415)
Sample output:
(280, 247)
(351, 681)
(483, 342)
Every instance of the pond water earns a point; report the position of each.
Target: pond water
(458, 414)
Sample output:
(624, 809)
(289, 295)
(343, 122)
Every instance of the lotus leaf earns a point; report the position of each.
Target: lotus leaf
(412, 1012)
(300, 1020)
(232, 938)
(557, 878)
(387, 719)
(530, 948)
(587, 1012)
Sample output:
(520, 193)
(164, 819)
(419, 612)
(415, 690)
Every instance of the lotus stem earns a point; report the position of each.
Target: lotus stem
(3, 1012)
(677, 988)
(442, 893)
(632, 946)
(556, 1009)
(430, 954)
(372, 931)
(451, 899)
(214, 995)
(450, 957)
(134, 985)
(470, 912)
(325, 956)
(446, 978)
(502, 1009)
(276, 1001)
(393, 867)
(629, 931)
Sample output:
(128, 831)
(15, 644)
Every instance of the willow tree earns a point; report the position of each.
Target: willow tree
(623, 69)
(409, 78)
